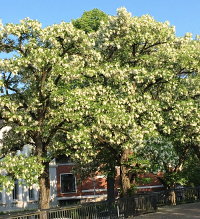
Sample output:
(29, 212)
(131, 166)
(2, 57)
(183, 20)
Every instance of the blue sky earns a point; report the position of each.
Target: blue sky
(184, 14)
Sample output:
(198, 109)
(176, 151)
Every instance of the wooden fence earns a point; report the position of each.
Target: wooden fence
(117, 209)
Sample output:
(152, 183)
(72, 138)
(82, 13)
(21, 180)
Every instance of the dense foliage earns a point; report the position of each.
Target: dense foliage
(131, 86)
(90, 20)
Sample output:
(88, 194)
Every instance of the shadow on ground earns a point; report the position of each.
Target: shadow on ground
(191, 210)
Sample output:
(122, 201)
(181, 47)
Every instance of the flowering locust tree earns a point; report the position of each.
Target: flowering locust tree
(142, 61)
(38, 82)
(184, 115)
(64, 91)
(181, 103)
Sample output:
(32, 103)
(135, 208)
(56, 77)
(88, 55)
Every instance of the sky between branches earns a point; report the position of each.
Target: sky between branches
(183, 14)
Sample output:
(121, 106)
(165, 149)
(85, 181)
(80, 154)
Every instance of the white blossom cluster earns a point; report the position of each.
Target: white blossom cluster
(161, 154)
(27, 169)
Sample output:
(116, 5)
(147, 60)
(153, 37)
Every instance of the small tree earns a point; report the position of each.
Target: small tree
(163, 157)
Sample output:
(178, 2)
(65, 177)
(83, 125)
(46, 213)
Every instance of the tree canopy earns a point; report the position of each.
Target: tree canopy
(90, 20)
(138, 88)
(38, 85)
(110, 91)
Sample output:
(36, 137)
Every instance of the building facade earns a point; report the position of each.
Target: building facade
(64, 188)
(23, 197)
(69, 191)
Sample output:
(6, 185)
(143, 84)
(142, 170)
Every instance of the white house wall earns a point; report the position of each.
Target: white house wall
(23, 202)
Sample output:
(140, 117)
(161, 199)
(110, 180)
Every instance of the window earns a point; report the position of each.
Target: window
(15, 191)
(31, 193)
(68, 183)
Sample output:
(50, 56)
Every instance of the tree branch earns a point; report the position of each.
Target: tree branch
(159, 80)
(181, 159)
(111, 53)
(109, 147)
(54, 130)
(155, 44)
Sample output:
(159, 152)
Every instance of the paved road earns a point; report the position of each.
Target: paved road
(176, 212)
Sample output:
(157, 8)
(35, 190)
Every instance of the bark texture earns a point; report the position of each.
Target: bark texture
(44, 179)
(172, 196)
(44, 191)
(124, 173)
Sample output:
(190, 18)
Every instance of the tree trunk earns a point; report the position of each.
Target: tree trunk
(172, 195)
(44, 191)
(110, 188)
(44, 178)
(124, 173)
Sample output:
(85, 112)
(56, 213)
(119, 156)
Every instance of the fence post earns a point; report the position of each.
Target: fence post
(147, 203)
(165, 200)
(134, 207)
(156, 202)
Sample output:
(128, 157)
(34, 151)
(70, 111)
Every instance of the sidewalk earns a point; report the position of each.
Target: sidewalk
(182, 211)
